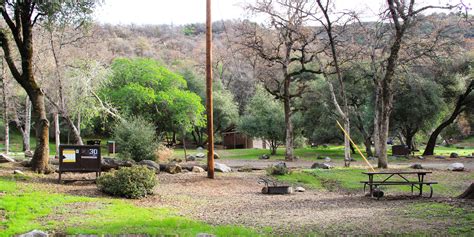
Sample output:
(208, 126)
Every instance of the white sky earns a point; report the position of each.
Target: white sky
(180, 12)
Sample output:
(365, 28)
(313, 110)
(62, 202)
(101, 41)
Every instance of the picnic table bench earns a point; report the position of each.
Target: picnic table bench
(389, 175)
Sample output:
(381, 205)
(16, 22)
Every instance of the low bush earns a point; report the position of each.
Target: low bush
(136, 139)
(129, 182)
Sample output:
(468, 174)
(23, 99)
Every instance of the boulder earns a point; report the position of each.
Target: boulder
(26, 163)
(280, 165)
(18, 172)
(29, 154)
(34, 233)
(173, 168)
(299, 189)
(5, 159)
(321, 166)
(456, 167)
(216, 156)
(151, 165)
(264, 157)
(110, 163)
(200, 155)
(222, 168)
(420, 157)
(190, 158)
(327, 159)
(197, 169)
(416, 166)
(454, 155)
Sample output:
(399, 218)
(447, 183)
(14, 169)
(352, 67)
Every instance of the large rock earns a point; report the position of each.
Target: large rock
(222, 168)
(200, 155)
(299, 189)
(264, 157)
(456, 167)
(173, 168)
(5, 159)
(34, 233)
(454, 155)
(327, 159)
(416, 166)
(197, 169)
(151, 165)
(190, 158)
(29, 154)
(320, 166)
(110, 163)
(216, 156)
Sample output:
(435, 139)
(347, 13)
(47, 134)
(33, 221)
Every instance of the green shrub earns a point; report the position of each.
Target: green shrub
(129, 182)
(279, 169)
(136, 139)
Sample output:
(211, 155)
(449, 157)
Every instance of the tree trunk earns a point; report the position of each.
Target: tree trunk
(273, 147)
(288, 130)
(368, 146)
(78, 126)
(409, 141)
(57, 133)
(27, 129)
(184, 146)
(458, 109)
(5, 110)
(469, 193)
(347, 143)
(75, 132)
(39, 162)
(381, 124)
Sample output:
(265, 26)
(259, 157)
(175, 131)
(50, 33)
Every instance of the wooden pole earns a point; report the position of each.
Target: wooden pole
(210, 126)
(353, 143)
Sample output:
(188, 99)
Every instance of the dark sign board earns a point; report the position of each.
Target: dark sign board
(78, 158)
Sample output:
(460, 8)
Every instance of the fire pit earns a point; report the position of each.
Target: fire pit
(274, 188)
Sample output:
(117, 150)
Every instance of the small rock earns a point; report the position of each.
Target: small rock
(440, 157)
(151, 165)
(190, 158)
(205, 235)
(416, 166)
(264, 157)
(197, 169)
(18, 172)
(173, 168)
(456, 167)
(321, 166)
(327, 159)
(454, 155)
(200, 155)
(216, 156)
(222, 168)
(34, 233)
(299, 189)
(420, 157)
(5, 159)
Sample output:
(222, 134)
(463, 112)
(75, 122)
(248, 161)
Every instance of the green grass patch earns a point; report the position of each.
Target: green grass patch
(461, 220)
(23, 208)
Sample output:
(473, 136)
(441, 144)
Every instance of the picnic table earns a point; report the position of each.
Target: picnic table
(389, 179)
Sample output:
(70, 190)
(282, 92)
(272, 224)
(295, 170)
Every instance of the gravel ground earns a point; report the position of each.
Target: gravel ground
(235, 198)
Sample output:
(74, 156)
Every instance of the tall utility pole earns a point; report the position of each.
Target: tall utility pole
(210, 125)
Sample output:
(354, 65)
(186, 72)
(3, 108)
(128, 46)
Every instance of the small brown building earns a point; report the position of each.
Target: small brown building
(232, 139)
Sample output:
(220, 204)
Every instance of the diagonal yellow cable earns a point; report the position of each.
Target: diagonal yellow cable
(347, 135)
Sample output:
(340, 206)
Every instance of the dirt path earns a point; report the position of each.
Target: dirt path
(235, 198)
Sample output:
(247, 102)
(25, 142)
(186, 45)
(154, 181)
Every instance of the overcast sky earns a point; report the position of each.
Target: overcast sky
(191, 11)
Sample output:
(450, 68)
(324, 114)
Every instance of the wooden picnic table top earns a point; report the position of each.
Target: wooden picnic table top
(398, 172)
